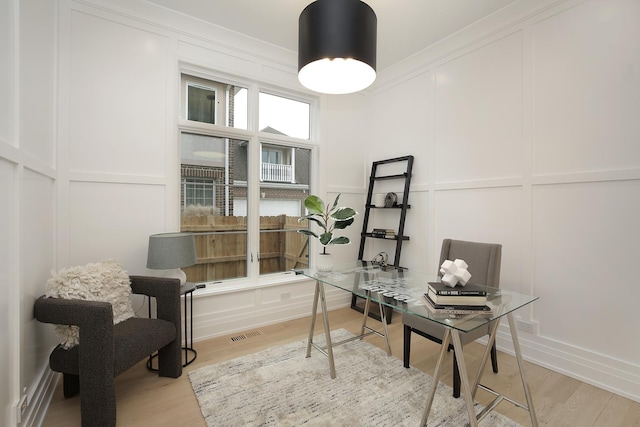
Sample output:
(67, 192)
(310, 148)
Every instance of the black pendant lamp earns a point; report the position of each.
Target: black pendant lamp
(337, 46)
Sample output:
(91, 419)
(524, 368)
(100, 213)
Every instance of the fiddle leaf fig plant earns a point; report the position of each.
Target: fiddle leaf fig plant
(329, 219)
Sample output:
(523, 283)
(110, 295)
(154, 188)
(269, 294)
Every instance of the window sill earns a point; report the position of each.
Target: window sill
(240, 285)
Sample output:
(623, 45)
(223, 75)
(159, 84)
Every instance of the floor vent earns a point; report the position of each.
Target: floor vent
(245, 336)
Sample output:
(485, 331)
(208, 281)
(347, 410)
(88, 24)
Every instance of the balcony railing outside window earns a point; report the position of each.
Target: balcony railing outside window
(276, 172)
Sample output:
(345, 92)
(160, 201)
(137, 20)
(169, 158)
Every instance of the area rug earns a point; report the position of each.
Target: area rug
(280, 387)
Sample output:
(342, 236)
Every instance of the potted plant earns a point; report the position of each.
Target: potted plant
(329, 219)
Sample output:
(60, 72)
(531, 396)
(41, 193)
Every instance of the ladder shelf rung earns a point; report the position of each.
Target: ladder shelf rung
(398, 176)
(388, 207)
(375, 236)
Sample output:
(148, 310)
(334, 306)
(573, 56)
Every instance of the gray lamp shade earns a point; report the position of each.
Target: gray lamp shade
(171, 250)
(337, 46)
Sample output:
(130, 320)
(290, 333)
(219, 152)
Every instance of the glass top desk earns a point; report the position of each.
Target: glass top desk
(401, 289)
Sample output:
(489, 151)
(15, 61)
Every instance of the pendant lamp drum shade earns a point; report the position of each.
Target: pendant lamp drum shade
(337, 46)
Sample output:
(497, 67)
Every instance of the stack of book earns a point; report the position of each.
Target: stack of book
(383, 232)
(470, 299)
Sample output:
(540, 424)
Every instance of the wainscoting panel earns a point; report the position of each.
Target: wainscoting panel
(10, 346)
(478, 113)
(585, 110)
(37, 89)
(109, 220)
(118, 97)
(492, 215)
(399, 124)
(585, 265)
(8, 53)
(37, 243)
(216, 315)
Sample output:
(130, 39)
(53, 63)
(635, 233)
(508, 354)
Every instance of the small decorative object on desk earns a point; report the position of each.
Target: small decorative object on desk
(454, 272)
(329, 219)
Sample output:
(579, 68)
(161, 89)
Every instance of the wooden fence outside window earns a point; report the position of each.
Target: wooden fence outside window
(221, 246)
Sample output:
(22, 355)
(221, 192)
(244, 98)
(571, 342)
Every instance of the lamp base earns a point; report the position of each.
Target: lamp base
(174, 273)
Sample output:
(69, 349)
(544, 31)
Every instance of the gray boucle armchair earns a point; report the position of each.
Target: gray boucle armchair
(106, 350)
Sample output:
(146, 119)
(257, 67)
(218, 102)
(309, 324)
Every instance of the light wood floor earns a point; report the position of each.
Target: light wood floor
(144, 399)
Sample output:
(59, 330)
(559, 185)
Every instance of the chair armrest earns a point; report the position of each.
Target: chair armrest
(154, 286)
(96, 354)
(167, 293)
(73, 312)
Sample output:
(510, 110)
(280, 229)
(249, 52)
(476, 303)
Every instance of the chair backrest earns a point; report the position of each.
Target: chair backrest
(483, 259)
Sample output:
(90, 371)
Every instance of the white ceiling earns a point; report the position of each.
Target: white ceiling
(404, 26)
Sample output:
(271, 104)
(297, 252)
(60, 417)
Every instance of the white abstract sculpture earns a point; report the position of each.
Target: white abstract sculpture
(454, 272)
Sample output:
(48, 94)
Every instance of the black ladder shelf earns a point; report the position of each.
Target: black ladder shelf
(399, 237)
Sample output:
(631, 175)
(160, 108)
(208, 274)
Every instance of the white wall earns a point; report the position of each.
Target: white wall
(9, 328)
(27, 188)
(525, 132)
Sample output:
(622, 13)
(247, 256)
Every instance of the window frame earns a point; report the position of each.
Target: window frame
(255, 139)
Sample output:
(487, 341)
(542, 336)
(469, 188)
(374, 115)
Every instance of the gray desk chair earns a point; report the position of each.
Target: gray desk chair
(106, 350)
(484, 265)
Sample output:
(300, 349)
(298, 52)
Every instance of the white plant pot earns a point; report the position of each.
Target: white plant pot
(324, 262)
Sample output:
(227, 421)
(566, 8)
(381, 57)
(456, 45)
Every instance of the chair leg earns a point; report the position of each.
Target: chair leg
(407, 345)
(456, 373)
(97, 400)
(456, 377)
(170, 360)
(494, 358)
(70, 385)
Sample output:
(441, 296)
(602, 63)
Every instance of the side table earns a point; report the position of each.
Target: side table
(190, 353)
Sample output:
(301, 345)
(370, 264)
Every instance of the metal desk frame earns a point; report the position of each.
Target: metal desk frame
(452, 335)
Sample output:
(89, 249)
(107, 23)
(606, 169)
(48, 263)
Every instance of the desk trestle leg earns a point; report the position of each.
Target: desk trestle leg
(319, 294)
(436, 376)
(365, 317)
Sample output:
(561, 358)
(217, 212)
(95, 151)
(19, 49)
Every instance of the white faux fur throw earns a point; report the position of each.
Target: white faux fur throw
(105, 281)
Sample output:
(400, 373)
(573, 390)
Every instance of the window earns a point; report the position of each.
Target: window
(207, 101)
(198, 192)
(243, 186)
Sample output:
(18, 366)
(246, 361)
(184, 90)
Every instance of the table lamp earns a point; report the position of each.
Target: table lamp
(170, 252)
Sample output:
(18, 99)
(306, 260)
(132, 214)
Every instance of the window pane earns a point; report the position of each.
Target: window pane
(201, 104)
(210, 101)
(284, 186)
(283, 116)
(214, 205)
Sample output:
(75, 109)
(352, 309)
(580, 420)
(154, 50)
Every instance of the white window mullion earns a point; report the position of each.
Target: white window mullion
(253, 187)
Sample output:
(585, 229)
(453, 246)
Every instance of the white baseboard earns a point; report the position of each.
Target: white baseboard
(38, 402)
(604, 372)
